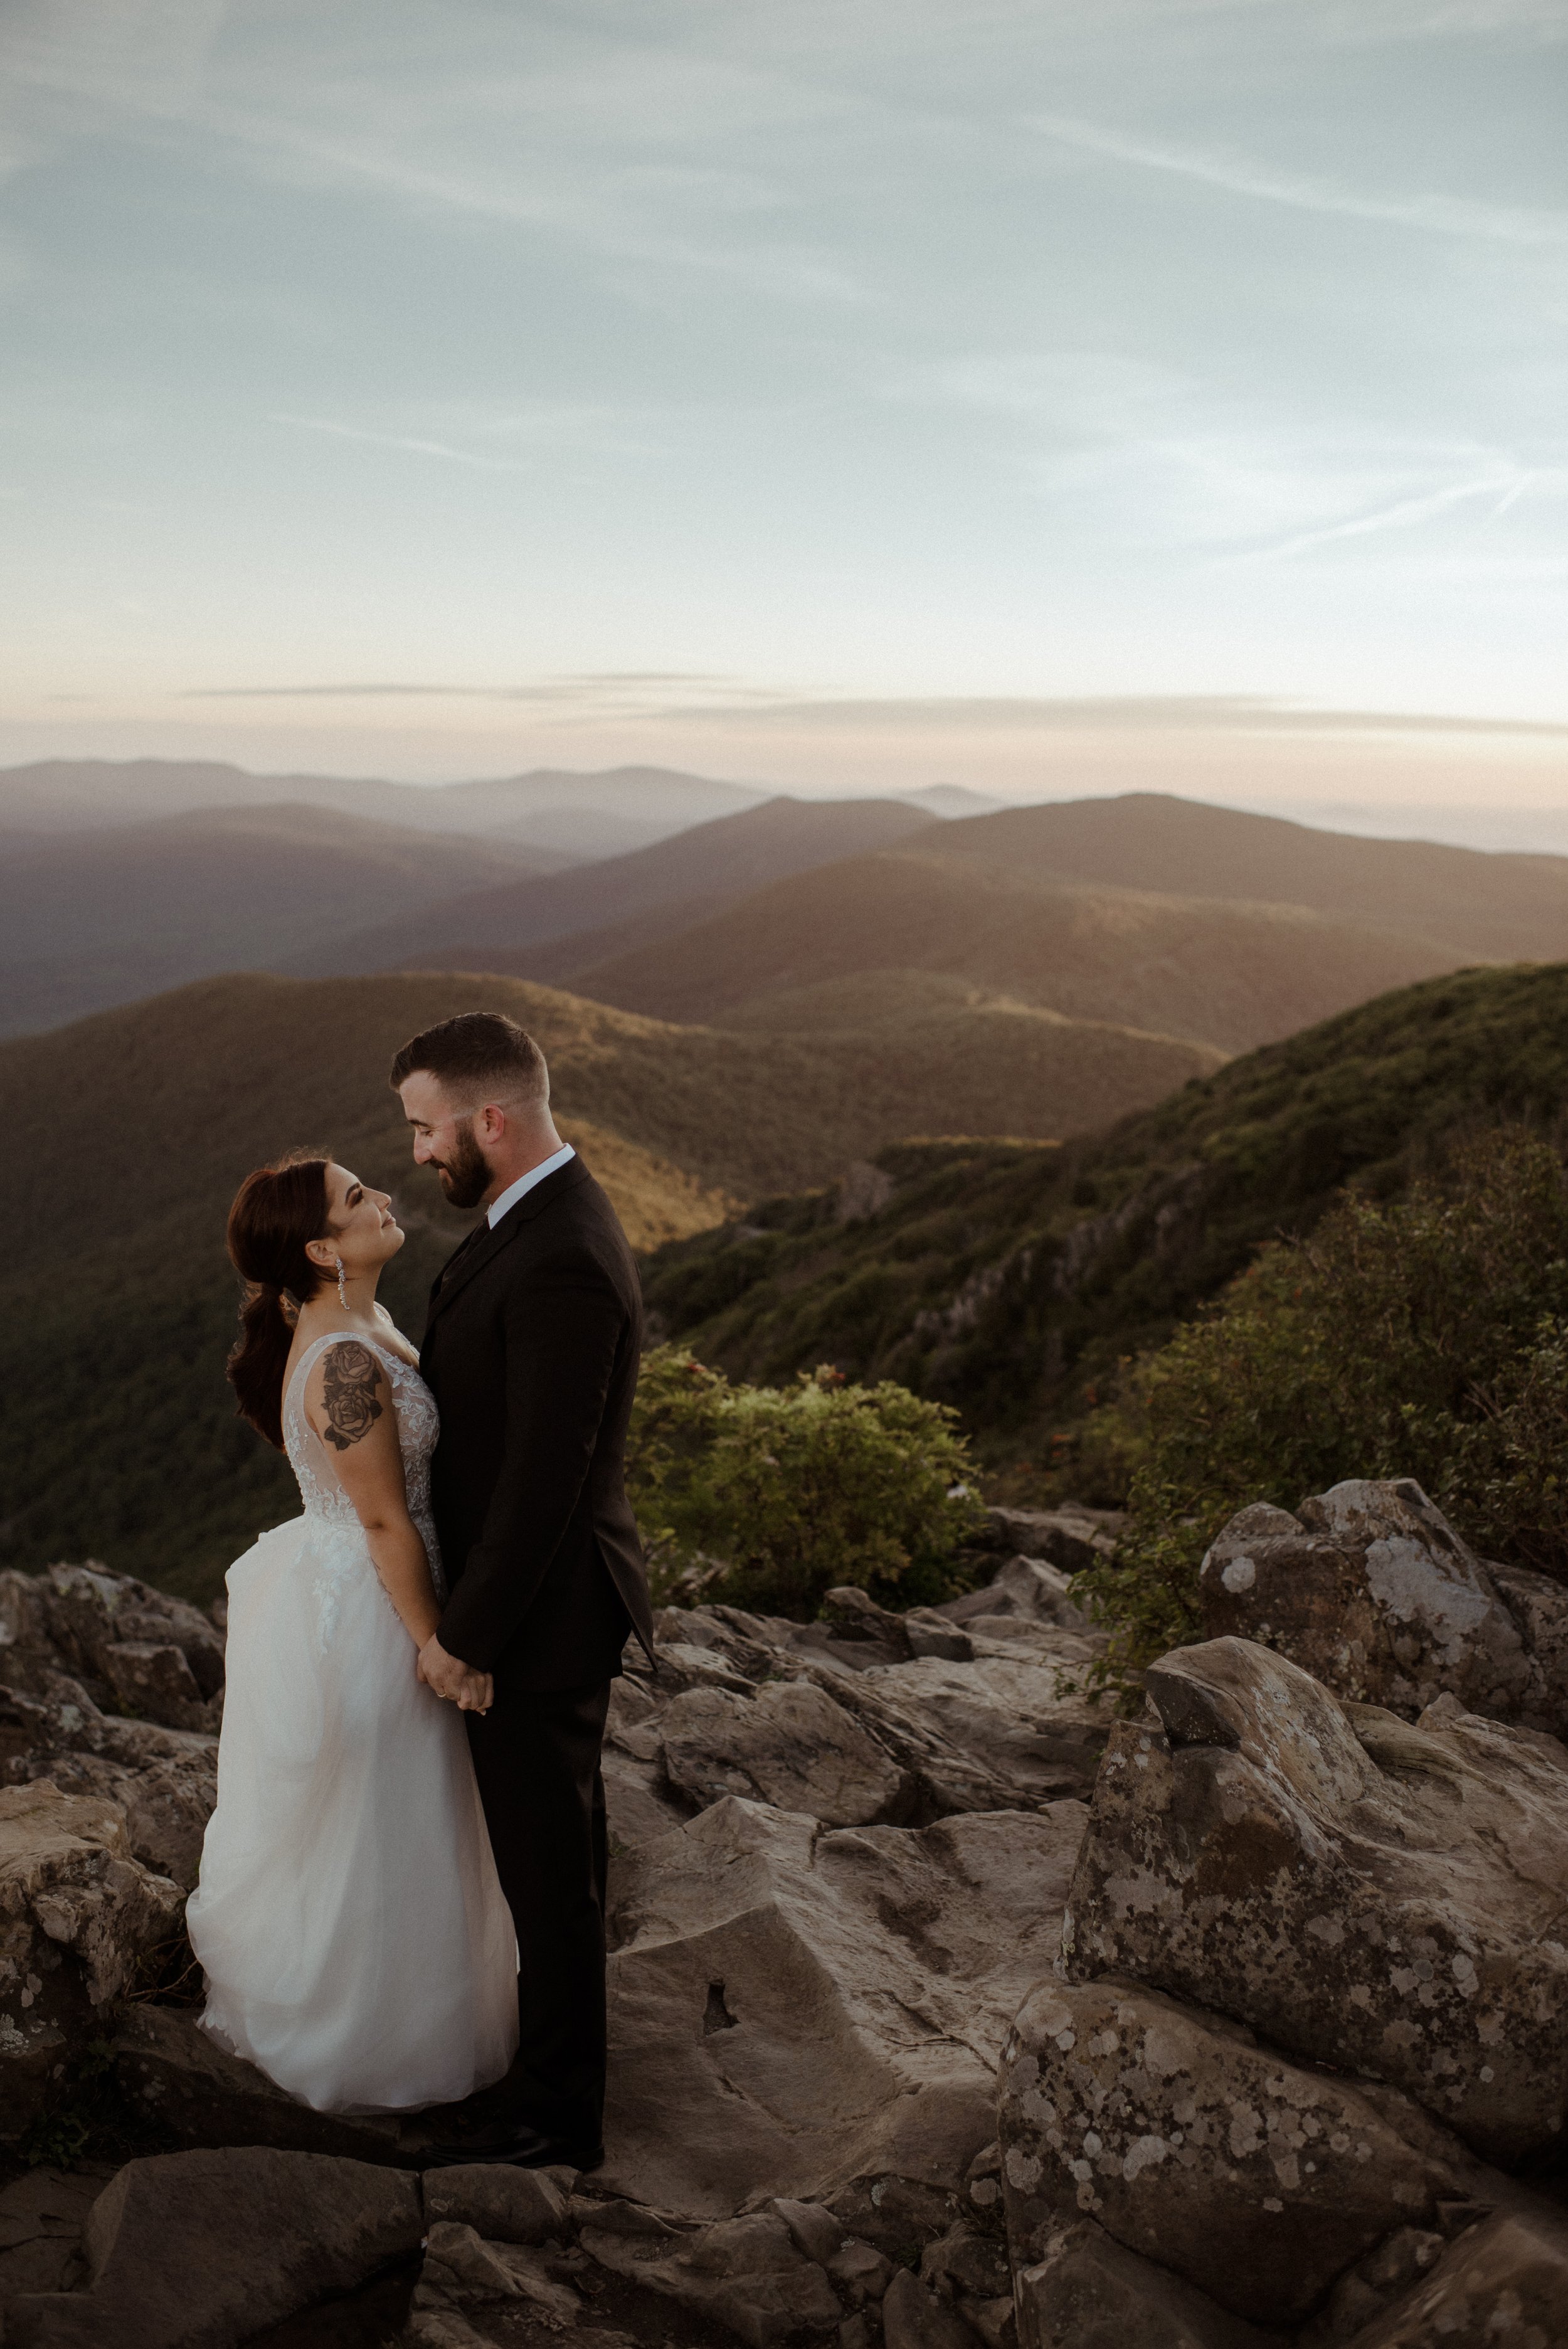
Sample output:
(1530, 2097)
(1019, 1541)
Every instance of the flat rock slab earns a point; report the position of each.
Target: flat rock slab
(1381, 1896)
(790, 2009)
(1021, 1714)
(790, 1745)
(203, 2250)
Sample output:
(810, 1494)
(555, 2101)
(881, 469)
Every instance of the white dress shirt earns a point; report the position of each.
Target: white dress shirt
(525, 1183)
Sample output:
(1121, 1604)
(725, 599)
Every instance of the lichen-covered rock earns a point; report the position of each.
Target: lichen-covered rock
(198, 2250)
(1381, 1896)
(1370, 1590)
(131, 1646)
(790, 1745)
(1256, 2179)
(78, 1916)
(791, 2008)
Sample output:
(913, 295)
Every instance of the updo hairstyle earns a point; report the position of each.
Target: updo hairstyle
(276, 1211)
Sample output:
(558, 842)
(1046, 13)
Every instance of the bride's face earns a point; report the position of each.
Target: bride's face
(361, 1226)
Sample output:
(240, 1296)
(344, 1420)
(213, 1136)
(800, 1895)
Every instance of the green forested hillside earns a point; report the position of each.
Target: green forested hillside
(1010, 1277)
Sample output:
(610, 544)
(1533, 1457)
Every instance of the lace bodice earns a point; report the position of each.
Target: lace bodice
(419, 1425)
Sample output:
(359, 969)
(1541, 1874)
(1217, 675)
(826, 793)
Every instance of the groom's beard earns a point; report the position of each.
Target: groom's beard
(464, 1177)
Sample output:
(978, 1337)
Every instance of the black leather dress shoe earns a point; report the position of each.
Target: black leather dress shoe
(517, 2143)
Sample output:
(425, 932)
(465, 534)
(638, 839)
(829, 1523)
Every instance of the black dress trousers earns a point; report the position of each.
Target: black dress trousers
(536, 1757)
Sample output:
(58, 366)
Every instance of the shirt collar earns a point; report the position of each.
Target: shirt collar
(525, 1183)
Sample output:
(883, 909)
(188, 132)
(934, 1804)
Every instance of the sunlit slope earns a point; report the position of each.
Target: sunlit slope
(1228, 973)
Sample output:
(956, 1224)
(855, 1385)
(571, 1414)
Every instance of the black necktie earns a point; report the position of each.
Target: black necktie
(470, 1239)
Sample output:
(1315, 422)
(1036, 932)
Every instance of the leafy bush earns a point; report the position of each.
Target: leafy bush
(769, 1497)
(1426, 1337)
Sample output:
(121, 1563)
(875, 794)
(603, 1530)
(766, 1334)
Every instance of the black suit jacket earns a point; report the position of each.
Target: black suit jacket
(531, 1350)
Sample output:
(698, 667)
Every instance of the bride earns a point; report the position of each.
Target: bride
(349, 1919)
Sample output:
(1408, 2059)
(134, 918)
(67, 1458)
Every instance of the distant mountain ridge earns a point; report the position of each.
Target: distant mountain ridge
(575, 814)
(1147, 911)
(547, 928)
(92, 919)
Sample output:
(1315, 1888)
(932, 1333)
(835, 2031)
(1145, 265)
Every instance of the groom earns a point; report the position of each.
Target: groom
(530, 1350)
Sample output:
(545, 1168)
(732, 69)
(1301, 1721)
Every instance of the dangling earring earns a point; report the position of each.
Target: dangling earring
(342, 1292)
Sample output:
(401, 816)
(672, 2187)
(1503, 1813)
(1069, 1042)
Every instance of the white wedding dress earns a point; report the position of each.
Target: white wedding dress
(355, 1938)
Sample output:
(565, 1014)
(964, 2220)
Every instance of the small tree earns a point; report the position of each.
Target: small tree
(1427, 1336)
(769, 1497)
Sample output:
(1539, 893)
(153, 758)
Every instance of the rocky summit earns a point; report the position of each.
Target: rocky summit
(948, 2010)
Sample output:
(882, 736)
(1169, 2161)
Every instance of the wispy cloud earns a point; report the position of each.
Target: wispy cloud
(1133, 713)
(599, 687)
(406, 443)
(1444, 215)
(1407, 513)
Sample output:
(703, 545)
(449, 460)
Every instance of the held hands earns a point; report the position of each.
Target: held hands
(469, 1690)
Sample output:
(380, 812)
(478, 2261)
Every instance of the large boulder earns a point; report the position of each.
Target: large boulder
(1255, 2179)
(1383, 1896)
(78, 1917)
(203, 2251)
(790, 2009)
(134, 1649)
(1369, 1589)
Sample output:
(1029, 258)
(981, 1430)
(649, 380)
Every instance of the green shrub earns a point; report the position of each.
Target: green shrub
(1425, 1336)
(769, 1497)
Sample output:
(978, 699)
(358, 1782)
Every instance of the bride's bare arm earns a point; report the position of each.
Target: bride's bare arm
(348, 1401)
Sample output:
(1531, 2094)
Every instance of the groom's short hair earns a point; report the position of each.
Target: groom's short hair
(482, 1055)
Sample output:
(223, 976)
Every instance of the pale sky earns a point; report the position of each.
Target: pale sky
(822, 392)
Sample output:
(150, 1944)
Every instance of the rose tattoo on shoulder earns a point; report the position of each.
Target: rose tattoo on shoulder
(350, 1379)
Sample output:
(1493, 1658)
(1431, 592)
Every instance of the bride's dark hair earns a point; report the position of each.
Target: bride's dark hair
(276, 1211)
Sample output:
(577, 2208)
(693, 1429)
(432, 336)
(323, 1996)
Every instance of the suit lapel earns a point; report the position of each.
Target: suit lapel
(461, 1267)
